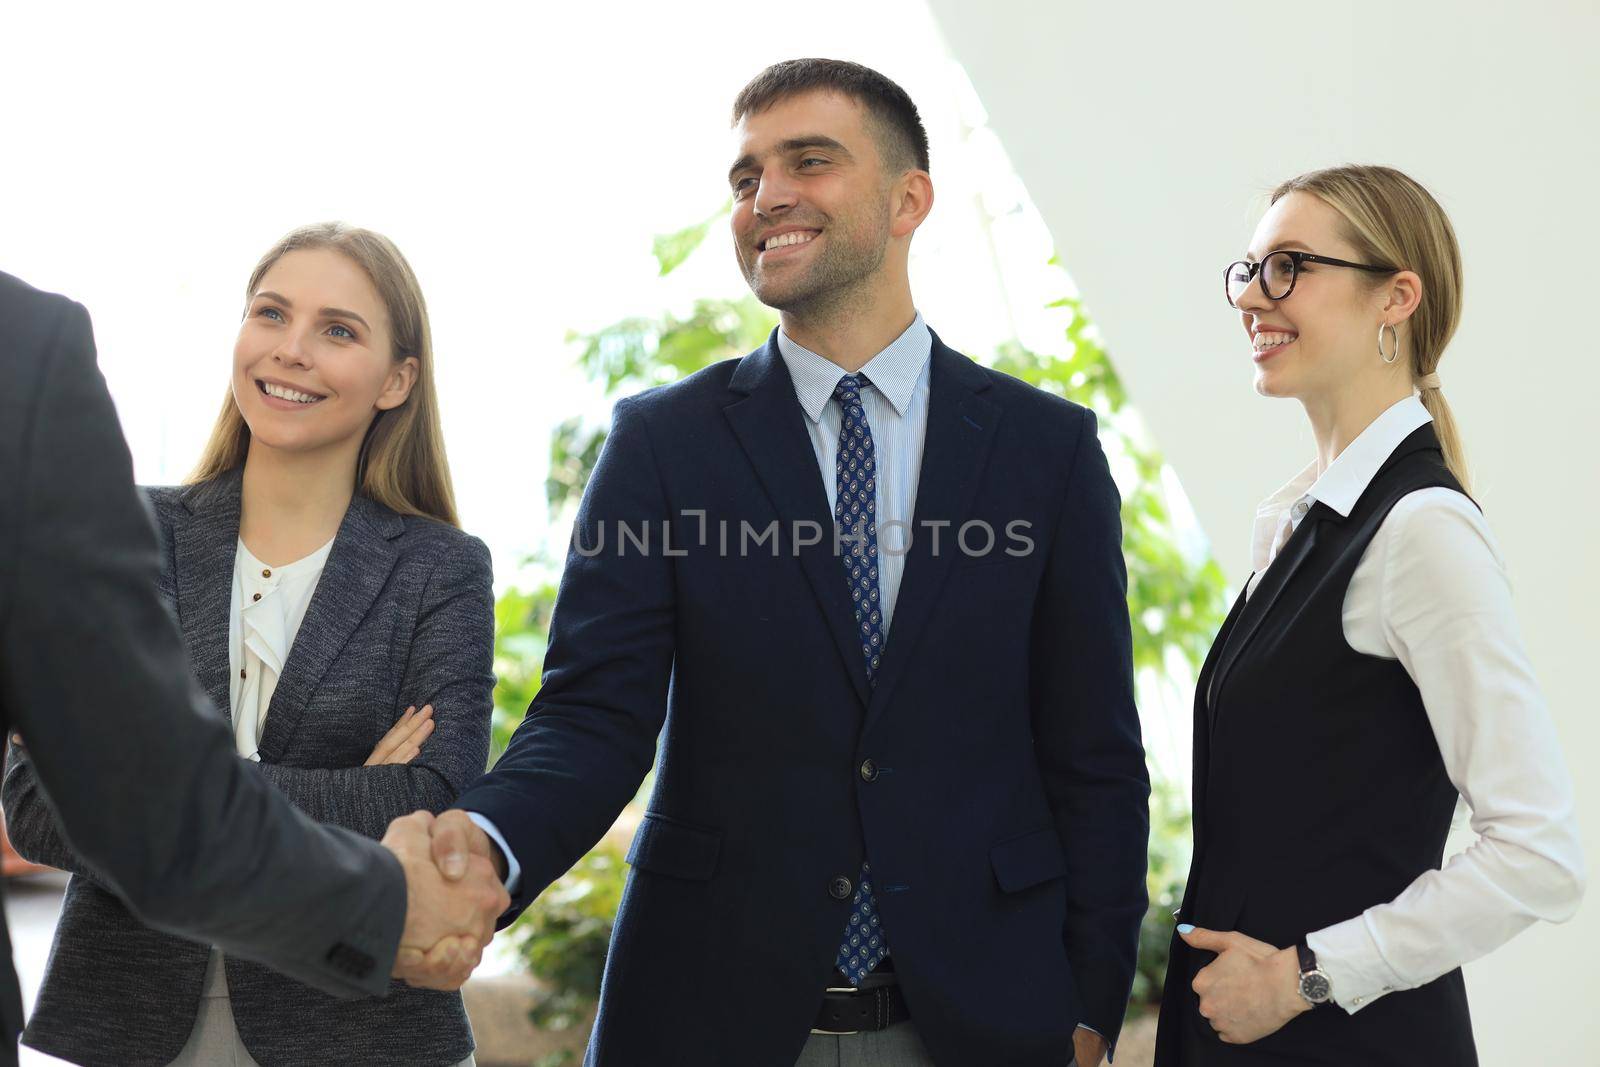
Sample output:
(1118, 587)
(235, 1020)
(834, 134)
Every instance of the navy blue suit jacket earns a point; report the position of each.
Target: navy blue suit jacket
(1005, 808)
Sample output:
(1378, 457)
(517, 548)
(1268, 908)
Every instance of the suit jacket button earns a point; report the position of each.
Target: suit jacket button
(869, 771)
(840, 888)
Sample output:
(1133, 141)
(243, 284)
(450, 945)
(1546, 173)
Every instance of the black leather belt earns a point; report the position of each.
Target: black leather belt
(877, 1008)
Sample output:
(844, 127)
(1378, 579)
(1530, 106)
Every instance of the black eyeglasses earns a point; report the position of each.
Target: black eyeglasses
(1279, 271)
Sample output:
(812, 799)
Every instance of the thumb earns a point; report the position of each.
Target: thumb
(1201, 938)
(450, 846)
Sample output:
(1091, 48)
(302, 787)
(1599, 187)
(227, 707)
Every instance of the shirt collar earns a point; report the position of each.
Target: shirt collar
(894, 372)
(289, 571)
(1346, 478)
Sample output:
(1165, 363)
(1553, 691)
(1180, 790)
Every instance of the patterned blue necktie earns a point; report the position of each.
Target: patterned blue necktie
(855, 512)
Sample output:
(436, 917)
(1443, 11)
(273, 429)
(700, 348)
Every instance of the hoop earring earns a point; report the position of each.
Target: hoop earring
(1396, 335)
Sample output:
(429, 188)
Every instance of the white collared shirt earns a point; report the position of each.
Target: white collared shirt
(1431, 592)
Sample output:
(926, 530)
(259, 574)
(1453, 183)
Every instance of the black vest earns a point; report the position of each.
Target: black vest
(1319, 792)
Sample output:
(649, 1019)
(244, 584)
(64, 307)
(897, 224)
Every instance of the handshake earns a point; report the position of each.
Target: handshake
(455, 891)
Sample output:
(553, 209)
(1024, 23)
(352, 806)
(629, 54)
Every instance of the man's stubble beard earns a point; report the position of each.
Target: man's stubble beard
(838, 284)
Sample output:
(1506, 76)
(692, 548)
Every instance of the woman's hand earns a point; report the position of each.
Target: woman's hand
(1250, 990)
(404, 739)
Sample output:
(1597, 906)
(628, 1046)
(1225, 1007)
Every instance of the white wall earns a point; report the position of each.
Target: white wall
(1148, 135)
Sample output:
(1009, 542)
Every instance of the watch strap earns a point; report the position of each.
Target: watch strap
(1308, 959)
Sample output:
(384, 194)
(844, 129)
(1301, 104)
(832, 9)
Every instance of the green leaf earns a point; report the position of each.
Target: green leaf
(672, 249)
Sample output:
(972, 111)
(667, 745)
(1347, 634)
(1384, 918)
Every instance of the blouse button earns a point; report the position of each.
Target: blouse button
(1300, 509)
(241, 672)
(256, 596)
(266, 572)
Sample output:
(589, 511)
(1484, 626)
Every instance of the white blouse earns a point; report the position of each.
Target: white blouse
(269, 603)
(1431, 591)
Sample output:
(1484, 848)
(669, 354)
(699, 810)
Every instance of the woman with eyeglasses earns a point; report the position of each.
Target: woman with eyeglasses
(1369, 679)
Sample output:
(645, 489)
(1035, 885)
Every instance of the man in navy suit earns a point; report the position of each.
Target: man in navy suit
(875, 594)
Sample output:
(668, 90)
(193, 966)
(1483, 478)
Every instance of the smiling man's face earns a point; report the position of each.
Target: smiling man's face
(811, 203)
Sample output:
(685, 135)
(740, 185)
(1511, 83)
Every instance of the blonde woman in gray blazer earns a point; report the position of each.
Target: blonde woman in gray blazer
(330, 602)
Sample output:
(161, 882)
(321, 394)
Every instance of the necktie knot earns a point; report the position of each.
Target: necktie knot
(848, 391)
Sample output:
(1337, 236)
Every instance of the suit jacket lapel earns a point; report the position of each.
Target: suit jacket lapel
(961, 430)
(358, 567)
(1273, 582)
(205, 543)
(768, 421)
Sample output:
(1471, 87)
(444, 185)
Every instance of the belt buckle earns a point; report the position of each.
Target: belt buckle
(853, 991)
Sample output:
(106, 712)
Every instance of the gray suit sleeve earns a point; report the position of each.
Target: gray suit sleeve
(142, 777)
(31, 822)
(451, 666)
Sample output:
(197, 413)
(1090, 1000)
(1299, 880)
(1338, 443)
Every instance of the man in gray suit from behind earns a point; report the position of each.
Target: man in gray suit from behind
(141, 772)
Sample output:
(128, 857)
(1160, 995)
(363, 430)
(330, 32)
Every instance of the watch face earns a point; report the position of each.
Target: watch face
(1315, 987)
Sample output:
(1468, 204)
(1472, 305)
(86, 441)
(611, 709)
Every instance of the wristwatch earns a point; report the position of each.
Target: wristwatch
(1315, 985)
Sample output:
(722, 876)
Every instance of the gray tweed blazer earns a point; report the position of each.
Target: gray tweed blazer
(403, 614)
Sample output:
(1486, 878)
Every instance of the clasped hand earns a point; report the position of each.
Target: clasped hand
(1250, 990)
(454, 894)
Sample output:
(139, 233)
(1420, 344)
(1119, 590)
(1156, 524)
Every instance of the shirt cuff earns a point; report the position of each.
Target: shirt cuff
(513, 868)
(1348, 954)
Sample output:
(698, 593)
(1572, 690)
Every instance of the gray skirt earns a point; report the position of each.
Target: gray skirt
(214, 1041)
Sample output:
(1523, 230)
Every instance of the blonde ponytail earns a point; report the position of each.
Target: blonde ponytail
(1444, 427)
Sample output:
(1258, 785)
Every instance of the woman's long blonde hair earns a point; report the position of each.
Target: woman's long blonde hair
(1391, 219)
(403, 464)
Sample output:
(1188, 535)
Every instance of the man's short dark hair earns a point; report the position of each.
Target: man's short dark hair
(902, 140)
